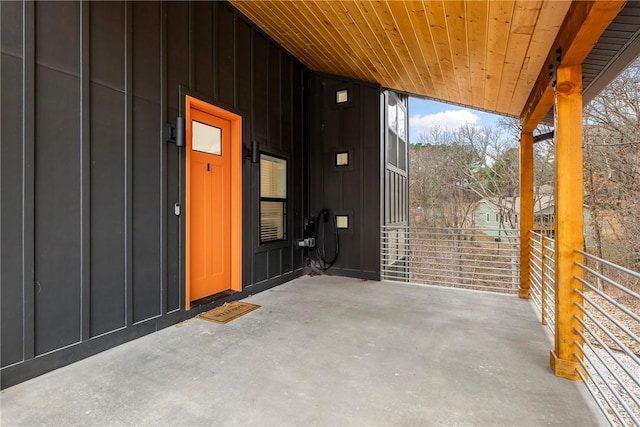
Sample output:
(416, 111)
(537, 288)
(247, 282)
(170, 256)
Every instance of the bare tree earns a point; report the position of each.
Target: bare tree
(496, 177)
(452, 170)
(612, 168)
(439, 179)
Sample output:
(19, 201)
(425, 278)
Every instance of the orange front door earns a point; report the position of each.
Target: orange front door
(209, 202)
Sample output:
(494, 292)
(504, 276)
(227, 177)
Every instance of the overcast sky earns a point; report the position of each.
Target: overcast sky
(424, 114)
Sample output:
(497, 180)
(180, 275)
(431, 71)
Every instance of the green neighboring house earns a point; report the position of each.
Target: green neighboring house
(494, 217)
(544, 222)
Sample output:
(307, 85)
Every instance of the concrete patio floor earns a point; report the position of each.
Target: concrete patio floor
(323, 351)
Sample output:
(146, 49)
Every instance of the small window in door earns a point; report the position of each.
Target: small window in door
(273, 198)
(206, 138)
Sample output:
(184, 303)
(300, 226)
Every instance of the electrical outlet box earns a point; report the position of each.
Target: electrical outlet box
(309, 226)
(309, 242)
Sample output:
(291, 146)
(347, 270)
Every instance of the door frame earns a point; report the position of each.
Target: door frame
(235, 121)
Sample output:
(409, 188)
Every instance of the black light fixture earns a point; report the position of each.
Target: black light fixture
(180, 132)
(342, 221)
(253, 152)
(342, 158)
(176, 135)
(342, 96)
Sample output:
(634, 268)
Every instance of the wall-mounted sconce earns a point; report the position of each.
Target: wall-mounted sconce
(253, 153)
(342, 96)
(180, 132)
(342, 159)
(176, 135)
(342, 221)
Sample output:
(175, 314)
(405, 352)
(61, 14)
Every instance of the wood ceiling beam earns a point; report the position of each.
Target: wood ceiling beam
(582, 27)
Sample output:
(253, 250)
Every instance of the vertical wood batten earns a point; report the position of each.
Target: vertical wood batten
(214, 43)
(12, 309)
(569, 200)
(253, 169)
(191, 46)
(165, 297)
(175, 39)
(128, 156)
(526, 210)
(85, 171)
(28, 178)
(162, 55)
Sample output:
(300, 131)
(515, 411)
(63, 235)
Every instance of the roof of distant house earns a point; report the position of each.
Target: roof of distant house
(497, 204)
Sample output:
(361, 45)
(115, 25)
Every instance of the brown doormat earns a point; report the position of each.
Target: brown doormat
(228, 311)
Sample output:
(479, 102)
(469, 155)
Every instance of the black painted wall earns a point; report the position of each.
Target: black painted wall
(92, 254)
(354, 190)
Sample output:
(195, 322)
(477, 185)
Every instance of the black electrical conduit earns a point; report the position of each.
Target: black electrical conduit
(321, 261)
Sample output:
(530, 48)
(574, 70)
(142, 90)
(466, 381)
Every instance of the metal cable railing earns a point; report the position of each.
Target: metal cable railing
(610, 337)
(535, 271)
(471, 258)
(609, 320)
(542, 277)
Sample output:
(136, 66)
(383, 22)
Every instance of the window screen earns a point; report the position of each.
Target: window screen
(273, 198)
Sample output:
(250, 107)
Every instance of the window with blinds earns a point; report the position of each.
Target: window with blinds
(273, 198)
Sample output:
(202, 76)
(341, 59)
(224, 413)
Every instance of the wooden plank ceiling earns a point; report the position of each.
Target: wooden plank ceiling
(483, 54)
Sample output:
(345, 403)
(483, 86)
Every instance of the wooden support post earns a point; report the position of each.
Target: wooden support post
(543, 283)
(569, 202)
(526, 210)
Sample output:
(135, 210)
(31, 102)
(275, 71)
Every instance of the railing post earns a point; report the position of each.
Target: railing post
(569, 202)
(543, 284)
(526, 210)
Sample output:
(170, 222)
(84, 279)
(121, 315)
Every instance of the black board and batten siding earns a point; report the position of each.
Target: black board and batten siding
(353, 190)
(92, 253)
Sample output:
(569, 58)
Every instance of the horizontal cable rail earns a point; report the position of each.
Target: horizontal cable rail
(535, 272)
(542, 277)
(609, 304)
(470, 258)
(607, 297)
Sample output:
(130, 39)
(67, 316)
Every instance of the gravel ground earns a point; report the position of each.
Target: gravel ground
(615, 367)
(615, 370)
(622, 388)
(628, 339)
